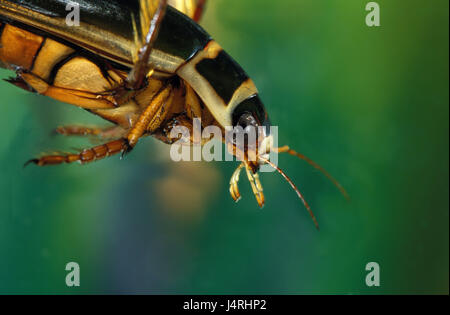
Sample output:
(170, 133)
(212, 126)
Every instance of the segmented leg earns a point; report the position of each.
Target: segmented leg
(105, 133)
(78, 131)
(199, 10)
(83, 99)
(152, 116)
(20, 83)
(136, 78)
(86, 156)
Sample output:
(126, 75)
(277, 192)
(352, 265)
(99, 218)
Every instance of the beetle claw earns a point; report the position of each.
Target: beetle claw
(127, 149)
(32, 161)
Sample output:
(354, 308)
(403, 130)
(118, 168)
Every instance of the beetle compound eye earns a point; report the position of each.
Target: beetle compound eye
(245, 132)
(251, 112)
(246, 121)
(246, 128)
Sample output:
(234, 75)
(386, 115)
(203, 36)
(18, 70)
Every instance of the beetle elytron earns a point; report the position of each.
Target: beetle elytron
(144, 65)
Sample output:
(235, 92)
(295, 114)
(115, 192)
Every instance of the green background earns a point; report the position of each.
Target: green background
(369, 104)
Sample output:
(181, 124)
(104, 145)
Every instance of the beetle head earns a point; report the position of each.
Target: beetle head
(251, 115)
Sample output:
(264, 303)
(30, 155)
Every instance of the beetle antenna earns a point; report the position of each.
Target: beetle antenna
(288, 150)
(299, 194)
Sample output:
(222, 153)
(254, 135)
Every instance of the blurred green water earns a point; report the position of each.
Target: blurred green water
(369, 104)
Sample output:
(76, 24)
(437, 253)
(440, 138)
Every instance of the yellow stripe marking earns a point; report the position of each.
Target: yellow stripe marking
(221, 111)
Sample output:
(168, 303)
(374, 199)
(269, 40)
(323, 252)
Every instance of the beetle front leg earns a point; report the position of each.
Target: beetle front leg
(85, 156)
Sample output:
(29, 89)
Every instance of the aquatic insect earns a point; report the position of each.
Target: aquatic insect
(144, 65)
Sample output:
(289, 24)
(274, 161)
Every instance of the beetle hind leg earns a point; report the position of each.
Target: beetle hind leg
(199, 10)
(145, 37)
(85, 156)
(79, 98)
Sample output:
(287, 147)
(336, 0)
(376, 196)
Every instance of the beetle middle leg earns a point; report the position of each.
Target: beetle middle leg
(113, 132)
(153, 115)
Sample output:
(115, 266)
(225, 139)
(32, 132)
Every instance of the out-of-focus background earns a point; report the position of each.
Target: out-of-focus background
(369, 104)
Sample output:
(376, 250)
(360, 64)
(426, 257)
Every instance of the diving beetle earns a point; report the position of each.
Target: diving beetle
(144, 65)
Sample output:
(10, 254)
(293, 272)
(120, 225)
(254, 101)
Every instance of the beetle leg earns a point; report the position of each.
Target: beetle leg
(141, 69)
(19, 82)
(77, 130)
(83, 99)
(153, 115)
(85, 156)
(199, 10)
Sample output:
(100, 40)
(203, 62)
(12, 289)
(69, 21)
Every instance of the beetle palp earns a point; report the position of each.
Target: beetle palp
(234, 189)
(256, 185)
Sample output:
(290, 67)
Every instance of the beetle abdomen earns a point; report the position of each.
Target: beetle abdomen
(179, 36)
